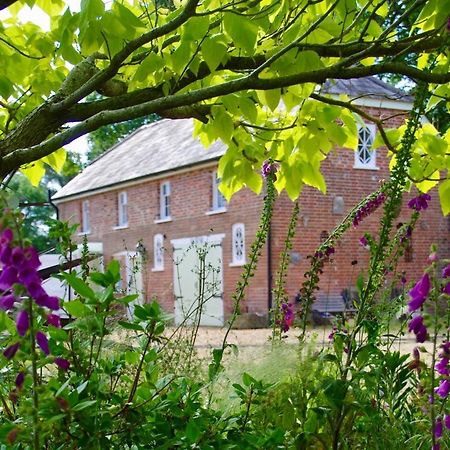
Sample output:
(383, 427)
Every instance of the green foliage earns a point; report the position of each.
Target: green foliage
(249, 71)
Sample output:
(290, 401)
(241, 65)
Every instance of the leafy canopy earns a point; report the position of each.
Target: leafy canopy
(229, 64)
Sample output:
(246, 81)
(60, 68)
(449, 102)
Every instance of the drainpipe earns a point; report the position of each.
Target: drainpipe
(53, 205)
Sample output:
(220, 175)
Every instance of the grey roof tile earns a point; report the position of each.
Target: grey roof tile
(152, 149)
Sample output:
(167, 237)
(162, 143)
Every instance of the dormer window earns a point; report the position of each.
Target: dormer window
(218, 200)
(365, 155)
(122, 209)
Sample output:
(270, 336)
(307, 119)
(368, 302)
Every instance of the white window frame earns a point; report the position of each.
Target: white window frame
(219, 204)
(122, 208)
(85, 217)
(365, 146)
(164, 201)
(238, 258)
(158, 252)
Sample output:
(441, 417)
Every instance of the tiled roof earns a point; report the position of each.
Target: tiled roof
(152, 149)
(168, 144)
(369, 87)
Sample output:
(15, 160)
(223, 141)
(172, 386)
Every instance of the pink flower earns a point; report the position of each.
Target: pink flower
(22, 323)
(420, 202)
(443, 389)
(62, 363)
(17, 257)
(11, 350)
(447, 421)
(269, 168)
(7, 278)
(42, 341)
(48, 301)
(442, 367)
(419, 293)
(31, 258)
(438, 428)
(54, 319)
(6, 237)
(20, 380)
(446, 272)
(7, 301)
(417, 326)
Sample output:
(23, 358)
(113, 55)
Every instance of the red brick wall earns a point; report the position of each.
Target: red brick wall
(191, 199)
(316, 216)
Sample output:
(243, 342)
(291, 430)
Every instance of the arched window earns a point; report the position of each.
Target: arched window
(238, 244)
(158, 252)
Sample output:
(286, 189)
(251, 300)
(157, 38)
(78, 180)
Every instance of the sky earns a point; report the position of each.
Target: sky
(36, 15)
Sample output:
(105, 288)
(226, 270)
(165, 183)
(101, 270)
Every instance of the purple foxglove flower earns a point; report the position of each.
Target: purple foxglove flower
(436, 446)
(415, 324)
(48, 301)
(42, 341)
(29, 276)
(442, 367)
(329, 251)
(403, 279)
(422, 333)
(6, 237)
(438, 428)
(269, 168)
(443, 389)
(17, 257)
(419, 293)
(364, 242)
(7, 301)
(35, 289)
(54, 319)
(7, 278)
(20, 380)
(11, 350)
(22, 323)
(62, 363)
(447, 421)
(31, 258)
(5, 255)
(446, 289)
(420, 202)
(446, 272)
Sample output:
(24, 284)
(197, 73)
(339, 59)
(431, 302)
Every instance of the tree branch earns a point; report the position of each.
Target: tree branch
(116, 62)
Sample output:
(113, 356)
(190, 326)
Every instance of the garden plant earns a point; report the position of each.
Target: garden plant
(96, 379)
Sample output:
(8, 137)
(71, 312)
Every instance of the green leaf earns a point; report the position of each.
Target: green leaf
(34, 172)
(128, 18)
(444, 196)
(181, 56)
(79, 286)
(84, 405)
(76, 308)
(195, 29)
(130, 326)
(192, 432)
(270, 98)
(213, 51)
(243, 32)
(56, 159)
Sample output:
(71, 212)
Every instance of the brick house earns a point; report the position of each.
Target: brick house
(152, 202)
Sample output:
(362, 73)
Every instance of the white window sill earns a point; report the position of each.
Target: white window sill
(366, 167)
(120, 227)
(157, 269)
(216, 211)
(167, 219)
(236, 264)
(84, 233)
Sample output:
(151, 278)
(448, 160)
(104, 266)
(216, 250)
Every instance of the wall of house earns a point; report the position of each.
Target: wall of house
(191, 200)
(317, 219)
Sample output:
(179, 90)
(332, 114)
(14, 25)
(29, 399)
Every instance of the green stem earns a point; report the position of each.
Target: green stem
(35, 397)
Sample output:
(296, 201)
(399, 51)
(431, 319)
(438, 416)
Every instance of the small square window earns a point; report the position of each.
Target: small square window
(122, 209)
(365, 155)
